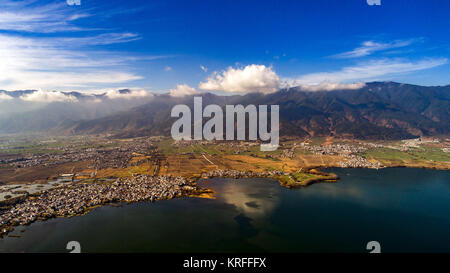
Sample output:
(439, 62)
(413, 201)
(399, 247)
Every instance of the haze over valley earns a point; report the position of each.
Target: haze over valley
(377, 110)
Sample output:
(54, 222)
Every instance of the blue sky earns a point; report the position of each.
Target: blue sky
(222, 46)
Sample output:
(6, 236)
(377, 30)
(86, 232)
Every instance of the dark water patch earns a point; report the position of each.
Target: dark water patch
(406, 210)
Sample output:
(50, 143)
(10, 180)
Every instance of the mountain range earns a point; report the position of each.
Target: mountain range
(378, 110)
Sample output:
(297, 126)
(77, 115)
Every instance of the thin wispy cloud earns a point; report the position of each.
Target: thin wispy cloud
(369, 47)
(101, 39)
(331, 86)
(35, 17)
(31, 60)
(55, 52)
(45, 63)
(371, 70)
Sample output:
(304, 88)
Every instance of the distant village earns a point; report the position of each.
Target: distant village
(74, 199)
(119, 156)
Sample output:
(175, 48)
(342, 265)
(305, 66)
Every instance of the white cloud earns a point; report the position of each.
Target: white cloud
(167, 68)
(48, 96)
(58, 62)
(330, 86)
(250, 79)
(369, 47)
(43, 18)
(182, 90)
(101, 39)
(204, 68)
(43, 96)
(371, 70)
(131, 94)
(30, 63)
(4, 96)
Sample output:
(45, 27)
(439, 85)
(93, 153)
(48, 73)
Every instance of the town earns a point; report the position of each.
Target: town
(44, 177)
(70, 200)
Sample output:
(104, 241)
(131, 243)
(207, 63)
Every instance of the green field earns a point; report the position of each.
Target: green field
(415, 154)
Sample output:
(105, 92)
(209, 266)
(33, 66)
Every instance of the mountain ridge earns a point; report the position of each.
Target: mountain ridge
(379, 110)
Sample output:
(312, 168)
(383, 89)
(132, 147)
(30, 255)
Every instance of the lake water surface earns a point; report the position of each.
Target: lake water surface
(405, 210)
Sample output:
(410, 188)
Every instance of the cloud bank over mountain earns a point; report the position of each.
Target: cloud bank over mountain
(48, 97)
(249, 79)
(377, 110)
(99, 103)
(329, 86)
(182, 90)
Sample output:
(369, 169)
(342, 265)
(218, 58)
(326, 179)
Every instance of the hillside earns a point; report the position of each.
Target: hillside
(380, 110)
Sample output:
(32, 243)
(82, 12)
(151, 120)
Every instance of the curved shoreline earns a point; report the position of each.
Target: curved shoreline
(278, 175)
(188, 188)
(79, 199)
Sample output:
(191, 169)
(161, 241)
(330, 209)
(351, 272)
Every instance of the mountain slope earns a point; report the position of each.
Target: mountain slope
(34, 111)
(380, 110)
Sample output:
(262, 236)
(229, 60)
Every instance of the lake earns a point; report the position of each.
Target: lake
(405, 210)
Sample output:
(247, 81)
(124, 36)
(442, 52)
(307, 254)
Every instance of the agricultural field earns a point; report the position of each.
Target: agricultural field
(37, 159)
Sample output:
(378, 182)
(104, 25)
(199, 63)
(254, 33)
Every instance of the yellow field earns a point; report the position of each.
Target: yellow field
(192, 160)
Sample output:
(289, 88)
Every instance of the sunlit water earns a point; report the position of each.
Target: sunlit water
(405, 210)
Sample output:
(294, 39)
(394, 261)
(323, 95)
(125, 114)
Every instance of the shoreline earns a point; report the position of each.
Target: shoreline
(388, 167)
(190, 188)
(79, 199)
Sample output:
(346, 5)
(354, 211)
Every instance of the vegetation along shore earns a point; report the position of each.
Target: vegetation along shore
(43, 177)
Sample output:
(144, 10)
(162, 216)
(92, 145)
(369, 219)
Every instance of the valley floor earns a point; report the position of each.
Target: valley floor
(37, 174)
(42, 159)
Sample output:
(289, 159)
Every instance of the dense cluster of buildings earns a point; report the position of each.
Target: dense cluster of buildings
(240, 174)
(102, 158)
(334, 149)
(187, 143)
(349, 152)
(288, 153)
(416, 142)
(355, 161)
(74, 199)
(112, 158)
(49, 159)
